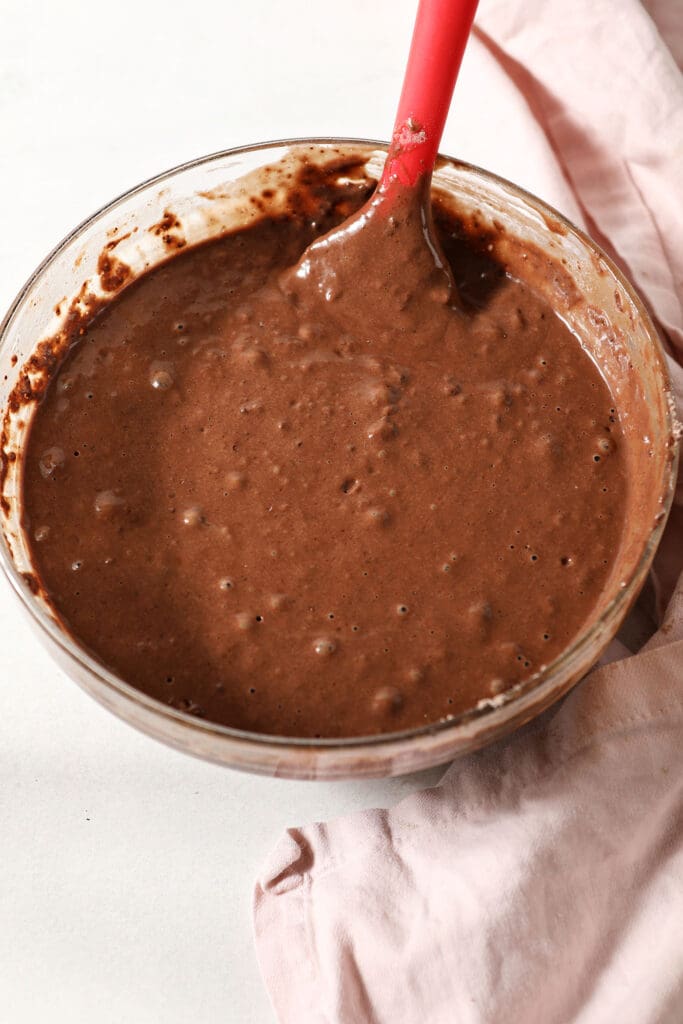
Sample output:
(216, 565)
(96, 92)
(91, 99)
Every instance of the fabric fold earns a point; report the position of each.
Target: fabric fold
(529, 885)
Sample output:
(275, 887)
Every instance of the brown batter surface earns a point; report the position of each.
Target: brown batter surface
(325, 511)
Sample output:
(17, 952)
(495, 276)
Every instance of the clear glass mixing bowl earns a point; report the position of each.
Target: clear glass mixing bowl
(202, 199)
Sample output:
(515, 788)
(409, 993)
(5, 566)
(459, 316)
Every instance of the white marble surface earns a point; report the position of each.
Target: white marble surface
(127, 868)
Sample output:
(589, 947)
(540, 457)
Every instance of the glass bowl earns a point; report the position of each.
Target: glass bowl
(202, 199)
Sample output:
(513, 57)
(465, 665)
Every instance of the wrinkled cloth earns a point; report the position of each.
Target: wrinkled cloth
(542, 880)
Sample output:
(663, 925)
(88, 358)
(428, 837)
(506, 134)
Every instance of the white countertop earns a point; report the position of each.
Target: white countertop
(127, 868)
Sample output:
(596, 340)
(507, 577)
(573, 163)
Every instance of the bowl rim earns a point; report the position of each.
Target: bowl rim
(492, 708)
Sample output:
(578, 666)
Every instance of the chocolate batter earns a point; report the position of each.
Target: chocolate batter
(332, 506)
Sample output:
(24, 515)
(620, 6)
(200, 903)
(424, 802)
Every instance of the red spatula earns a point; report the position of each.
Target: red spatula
(442, 28)
(396, 222)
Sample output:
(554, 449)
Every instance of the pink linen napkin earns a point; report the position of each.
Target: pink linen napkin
(542, 880)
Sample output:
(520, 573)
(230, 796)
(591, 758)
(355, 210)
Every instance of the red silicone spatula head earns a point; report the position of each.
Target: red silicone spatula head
(395, 227)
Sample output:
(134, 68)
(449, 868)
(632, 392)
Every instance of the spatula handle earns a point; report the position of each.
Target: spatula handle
(442, 28)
